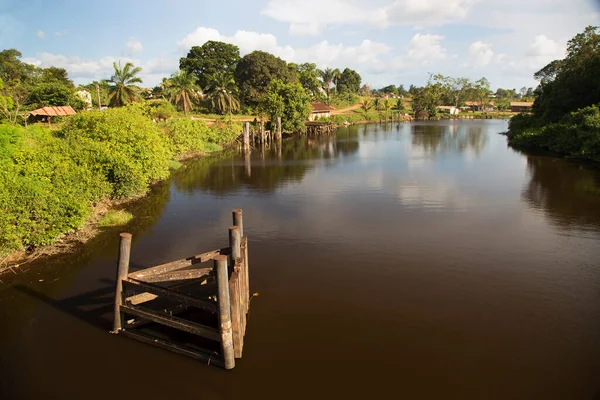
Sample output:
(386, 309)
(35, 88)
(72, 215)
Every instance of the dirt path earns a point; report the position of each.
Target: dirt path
(345, 110)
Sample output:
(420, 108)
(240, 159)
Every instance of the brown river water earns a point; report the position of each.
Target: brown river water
(415, 261)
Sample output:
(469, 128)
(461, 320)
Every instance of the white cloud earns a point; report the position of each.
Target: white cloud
(61, 34)
(310, 17)
(426, 48)
(40, 34)
(543, 46)
(133, 47)
(480, 55)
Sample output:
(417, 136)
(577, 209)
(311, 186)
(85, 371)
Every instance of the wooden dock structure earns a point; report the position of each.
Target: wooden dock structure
(204, 298)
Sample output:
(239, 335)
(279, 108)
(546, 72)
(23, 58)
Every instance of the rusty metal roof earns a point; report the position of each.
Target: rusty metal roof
(54, 111)
(320, 107)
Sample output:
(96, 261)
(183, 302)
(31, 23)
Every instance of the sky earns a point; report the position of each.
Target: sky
(386, 41)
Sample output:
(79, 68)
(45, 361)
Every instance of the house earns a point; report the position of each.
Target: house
(521, 106)
(45, 113)
(448, 110)
(86, 96)
(319, 110)
(476, 106)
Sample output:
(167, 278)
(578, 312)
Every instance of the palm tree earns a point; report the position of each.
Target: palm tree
(327, 75)
(387, 105)
(377, 103)
(182, 89)
(336, 77)
(221, 92)
(367, 105)
(122, 90)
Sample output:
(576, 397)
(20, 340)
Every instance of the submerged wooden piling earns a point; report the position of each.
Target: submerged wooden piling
(122, 271)
(220, 266)
(279, 128)
(220, 290)
(246, 137)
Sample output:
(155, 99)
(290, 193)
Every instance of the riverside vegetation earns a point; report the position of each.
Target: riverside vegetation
(566, 115)
(52, 179)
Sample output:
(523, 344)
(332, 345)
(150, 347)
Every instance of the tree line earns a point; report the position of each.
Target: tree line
(566, 117)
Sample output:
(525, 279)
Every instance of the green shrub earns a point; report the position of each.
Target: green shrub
(185, 136)
(576, 135)
(128, 148)
(161, 110)
(43, 191)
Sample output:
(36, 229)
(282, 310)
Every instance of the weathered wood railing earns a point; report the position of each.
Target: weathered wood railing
(169, 294)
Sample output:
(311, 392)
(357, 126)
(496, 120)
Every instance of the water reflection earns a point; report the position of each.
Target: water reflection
(266, 169)
(455, 136)
(567, 193)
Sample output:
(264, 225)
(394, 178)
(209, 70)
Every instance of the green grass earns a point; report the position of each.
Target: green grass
(115, 218)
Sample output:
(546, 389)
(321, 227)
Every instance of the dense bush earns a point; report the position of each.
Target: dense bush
(43, 191)
(576, 135)
(128, 148)
(186, 136)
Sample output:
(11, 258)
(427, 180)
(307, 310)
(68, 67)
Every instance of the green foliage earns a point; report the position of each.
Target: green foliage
(576, 135)
(222, 93)
(186, 136)
(571, 83)
(308, 76)
(255, 71)
(161, 110)
(123, 91)
(210, 59)
(182, 89)
(349, 81)
(44, 191)
(288, 101)
(123, 144)
(115, 218)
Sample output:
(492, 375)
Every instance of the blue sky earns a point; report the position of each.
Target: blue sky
(386, 41)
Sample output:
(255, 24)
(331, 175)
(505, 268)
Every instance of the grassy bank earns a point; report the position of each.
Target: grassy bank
(52, 180)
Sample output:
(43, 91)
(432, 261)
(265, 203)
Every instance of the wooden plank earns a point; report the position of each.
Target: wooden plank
(177, 275)
(174, 322)
(172, 294)
(179, 264)
(205, 356)
(236, 323)
(145, 297)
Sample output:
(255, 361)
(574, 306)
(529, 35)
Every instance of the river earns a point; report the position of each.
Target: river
(420, 260)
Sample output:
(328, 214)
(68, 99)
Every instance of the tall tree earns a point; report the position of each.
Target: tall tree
(122, 90)
(327, 76)
(221, 92)
(255, 71)
(210, 59)
(480, 92)
(288, 101)
(349, 81)
(183, 90)
(308, 76)
(457, 89)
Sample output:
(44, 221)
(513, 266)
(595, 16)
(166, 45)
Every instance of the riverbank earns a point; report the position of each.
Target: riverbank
(57, 184)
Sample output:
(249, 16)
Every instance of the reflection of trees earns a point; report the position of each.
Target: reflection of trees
(434, 139)
(267, 169)
(570, 195)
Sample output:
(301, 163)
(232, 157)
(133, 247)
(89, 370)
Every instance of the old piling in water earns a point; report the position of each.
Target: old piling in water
(279, 128)
(184, 285)
(122, 271)
(246, 137)
(220, 266)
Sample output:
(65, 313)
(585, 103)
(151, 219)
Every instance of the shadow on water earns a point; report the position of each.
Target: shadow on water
(568, 193)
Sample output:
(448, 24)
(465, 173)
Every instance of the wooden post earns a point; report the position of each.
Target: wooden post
(246, 137)
(220, 266)
(247, 164)
(279, 128)
(237, 310)
(122, 271)
(238, 220)
(235, 243)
